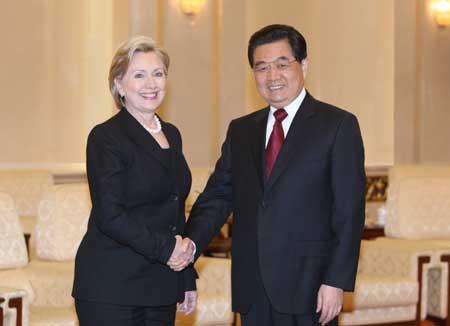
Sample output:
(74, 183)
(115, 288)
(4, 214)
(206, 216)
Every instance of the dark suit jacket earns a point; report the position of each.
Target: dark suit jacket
(137, 209)
(302, 227)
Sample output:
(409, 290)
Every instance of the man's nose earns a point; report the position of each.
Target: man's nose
(273, 72)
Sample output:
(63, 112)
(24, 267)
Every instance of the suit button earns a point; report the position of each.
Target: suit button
(263, 204)
(174, 197)
(172, 228)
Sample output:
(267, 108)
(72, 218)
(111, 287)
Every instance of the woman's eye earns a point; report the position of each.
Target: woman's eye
(139, 75)
(158, 74)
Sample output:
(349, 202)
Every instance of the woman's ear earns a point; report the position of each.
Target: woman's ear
(118, 84)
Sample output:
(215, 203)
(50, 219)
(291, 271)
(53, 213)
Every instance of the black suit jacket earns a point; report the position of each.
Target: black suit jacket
(137, 209)
(302, 227)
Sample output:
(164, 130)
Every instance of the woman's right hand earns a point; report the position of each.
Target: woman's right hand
(182, 254)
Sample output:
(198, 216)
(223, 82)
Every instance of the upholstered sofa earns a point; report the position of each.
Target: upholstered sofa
(44, 283)
(418, 220)
(47, 279)
(26, 187)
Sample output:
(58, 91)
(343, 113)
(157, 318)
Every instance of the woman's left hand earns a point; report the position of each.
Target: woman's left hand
(189, 303)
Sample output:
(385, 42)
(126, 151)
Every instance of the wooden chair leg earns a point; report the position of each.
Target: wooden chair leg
(421, 261)
(1, 312)
(446, 259)
(439, 321)
(16, 303)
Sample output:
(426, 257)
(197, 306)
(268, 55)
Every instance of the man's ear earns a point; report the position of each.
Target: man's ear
(304, 64)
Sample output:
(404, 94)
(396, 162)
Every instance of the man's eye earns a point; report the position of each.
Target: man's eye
(262, 68)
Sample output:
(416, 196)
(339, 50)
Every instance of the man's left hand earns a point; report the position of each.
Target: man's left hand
(329, 303)
(189, 303)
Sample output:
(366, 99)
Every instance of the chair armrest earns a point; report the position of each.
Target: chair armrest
(214, 275)
(387, 257)
(14, 306)
(52, 283)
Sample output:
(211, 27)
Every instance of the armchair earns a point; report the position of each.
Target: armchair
(390, 287)
(16, 291)
(418, 218)
(62, 221)
(214, 294)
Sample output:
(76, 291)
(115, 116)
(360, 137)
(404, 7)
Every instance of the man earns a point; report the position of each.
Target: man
(293, 176)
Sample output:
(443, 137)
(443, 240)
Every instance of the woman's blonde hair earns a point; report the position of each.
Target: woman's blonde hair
(123, 56)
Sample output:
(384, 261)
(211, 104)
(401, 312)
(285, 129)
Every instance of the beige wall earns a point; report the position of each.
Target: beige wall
(53, 84)
(383, 60)
(422, 84)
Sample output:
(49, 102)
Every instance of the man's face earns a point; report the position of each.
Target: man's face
(279, 77)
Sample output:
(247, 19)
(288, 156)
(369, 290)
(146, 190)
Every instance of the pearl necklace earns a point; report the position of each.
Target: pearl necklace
(157, 128)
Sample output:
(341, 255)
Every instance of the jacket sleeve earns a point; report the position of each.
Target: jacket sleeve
(189, 275)
(106, 169)
(348, 186)
(213, 206)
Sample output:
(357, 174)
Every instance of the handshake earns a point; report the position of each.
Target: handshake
(182, 255)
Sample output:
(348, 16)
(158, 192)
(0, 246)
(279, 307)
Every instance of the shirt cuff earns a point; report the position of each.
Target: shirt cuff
(193, 252)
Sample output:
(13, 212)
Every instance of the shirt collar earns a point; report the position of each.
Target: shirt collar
(292, 107)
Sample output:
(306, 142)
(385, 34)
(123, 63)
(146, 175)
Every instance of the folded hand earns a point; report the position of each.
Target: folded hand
(182, 254)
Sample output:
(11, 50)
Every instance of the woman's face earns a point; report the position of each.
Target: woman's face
(144, 83)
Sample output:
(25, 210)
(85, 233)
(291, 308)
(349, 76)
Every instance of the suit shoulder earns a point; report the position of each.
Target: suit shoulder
(333, 111)
(107, 129)
(249, 118)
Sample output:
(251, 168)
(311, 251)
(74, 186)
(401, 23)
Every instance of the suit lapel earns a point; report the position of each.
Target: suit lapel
(140, 136)
(293, 140)
(175, 146)
(258, 144)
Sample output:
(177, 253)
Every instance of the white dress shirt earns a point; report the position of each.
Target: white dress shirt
(291, 110)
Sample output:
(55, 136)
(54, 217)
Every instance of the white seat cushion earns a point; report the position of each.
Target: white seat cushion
(62, 221)
(13, 251)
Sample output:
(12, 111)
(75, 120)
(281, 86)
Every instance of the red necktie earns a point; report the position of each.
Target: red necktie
(276, 140)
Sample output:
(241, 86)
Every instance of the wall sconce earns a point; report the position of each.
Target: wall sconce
(191, 7)
(441, 12)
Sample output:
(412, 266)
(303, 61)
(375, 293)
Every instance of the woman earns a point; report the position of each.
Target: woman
(138, 180)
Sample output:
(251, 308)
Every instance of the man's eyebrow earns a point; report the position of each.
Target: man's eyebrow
(283, 57)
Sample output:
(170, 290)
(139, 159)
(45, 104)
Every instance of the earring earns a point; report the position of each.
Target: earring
(122, 99)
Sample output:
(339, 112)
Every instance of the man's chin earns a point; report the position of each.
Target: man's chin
(279, 104)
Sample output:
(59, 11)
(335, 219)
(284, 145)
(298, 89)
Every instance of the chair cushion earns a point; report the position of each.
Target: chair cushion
(52, 283)
(62, 221)
(423, 208)
(13, 251)
(45, 316)
(17, 279)
(378, 291)
(214, 275)
(26, 187)
(417, 202)
(214, 294)
(372, 316)
(212, 309)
